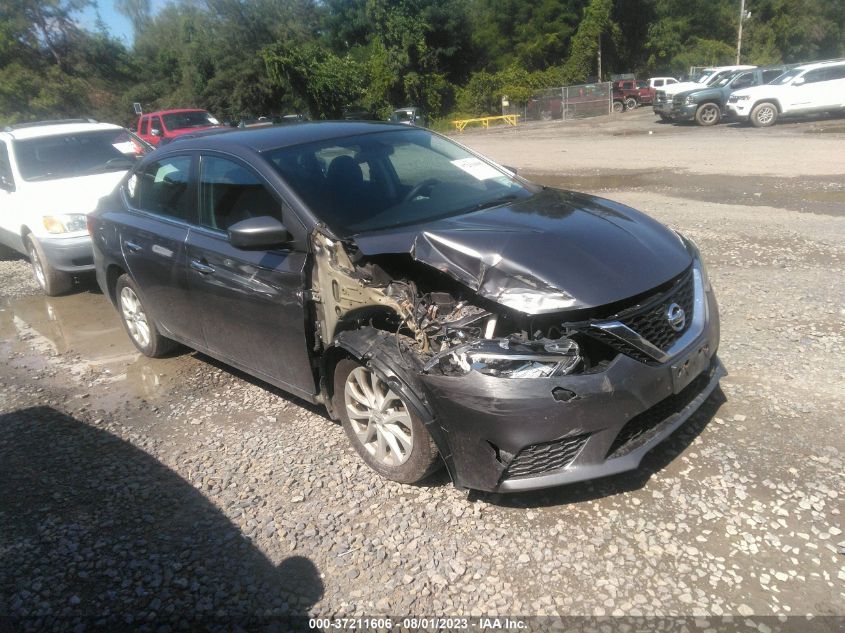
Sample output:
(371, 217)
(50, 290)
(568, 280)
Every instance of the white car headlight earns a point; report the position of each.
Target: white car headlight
(65, 223)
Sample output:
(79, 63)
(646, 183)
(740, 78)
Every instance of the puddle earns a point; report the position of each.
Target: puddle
(80, 334)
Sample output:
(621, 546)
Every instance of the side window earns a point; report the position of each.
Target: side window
(768, 75)
(642, 84)
(671, 81)
(743, 81)
(813, 76)
(145, 125)
(162, 187)
(6, 180)
(155, 124)
(230, 192)
(658, 83)
(835, 72)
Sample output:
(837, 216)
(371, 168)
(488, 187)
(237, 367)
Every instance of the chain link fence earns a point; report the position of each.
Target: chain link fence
(565, 103)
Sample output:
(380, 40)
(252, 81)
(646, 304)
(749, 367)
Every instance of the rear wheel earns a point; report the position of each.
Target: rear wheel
(665, 118)
(708, 114)
(53, 282)
(764, 114)
(138, 322)
(618, 107)
(631, 103)
(381, 426)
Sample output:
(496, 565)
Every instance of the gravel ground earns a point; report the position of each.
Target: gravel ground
(154, 492)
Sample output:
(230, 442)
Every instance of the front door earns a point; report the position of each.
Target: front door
(152, 238)
(250, 302)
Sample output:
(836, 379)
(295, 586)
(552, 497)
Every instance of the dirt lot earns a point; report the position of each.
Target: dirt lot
(139, 491)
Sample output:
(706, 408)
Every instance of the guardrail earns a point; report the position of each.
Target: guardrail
(510, 119)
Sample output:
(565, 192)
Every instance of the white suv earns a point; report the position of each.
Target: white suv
(803, 90)
(52, 174)
(709, 76)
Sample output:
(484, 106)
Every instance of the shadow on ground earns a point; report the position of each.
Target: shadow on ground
(655, 461)
(95, 533)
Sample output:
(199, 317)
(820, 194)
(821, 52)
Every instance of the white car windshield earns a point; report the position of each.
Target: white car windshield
(786, 77)
(80, 154)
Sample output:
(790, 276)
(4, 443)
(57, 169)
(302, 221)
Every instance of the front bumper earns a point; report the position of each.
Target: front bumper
(663, 108)
(513, 434)
(684, 112)
(738, 110)
(69, 254)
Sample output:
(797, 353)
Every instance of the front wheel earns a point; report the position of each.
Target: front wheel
(381, 426)
(764, 114)
(137, 321)
(631, 103)
(708, 114)
(53, 282)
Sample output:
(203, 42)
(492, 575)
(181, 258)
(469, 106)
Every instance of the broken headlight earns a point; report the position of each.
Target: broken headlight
(510, 358)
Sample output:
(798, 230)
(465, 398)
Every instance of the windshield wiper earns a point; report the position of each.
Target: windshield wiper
(495, 202)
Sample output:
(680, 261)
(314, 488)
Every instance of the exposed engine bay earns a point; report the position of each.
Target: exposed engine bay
(454, 331)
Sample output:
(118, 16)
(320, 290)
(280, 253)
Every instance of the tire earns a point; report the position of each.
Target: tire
(53, 282)
(708, 114)
(631, 103)
(618, 107)
(764, 114)
(381, 427)
(665, 118)
(137, 321)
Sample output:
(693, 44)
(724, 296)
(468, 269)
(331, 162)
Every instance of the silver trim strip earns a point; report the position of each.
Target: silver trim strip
(699, 320)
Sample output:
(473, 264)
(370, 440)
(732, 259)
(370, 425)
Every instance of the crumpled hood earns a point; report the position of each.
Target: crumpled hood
(558, 250)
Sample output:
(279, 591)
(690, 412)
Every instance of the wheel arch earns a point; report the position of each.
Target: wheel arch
(774, 102)
(113, 273)
(391, 356)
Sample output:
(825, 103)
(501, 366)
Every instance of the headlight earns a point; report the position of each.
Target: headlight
(690, 100)
(66, 223)
(692, 247)
(507, 358)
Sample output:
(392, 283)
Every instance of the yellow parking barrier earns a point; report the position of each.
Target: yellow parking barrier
(510, 119)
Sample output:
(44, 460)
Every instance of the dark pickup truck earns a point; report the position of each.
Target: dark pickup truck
(706, 105)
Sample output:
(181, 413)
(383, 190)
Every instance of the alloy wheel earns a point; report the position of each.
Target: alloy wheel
(378, 416)
(765, 115)
(709, 114)
(134, 317)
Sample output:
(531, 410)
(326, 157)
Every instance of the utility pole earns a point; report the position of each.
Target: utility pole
(599, 59)
(739, 34)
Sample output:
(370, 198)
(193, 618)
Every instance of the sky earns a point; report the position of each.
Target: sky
(117, 24)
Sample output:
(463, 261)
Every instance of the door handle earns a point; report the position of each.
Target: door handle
(200, 267)
(132, 246)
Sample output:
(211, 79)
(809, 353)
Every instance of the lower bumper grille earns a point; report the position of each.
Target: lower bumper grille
(640, 426)
(538, 459)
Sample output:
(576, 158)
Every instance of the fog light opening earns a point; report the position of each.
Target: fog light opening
(563, 395)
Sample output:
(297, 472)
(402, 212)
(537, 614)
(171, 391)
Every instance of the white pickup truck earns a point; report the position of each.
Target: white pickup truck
(663, 97)
(806, 89)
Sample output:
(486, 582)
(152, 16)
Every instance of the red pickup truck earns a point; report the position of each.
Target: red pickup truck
(636, 91)
(165, 125)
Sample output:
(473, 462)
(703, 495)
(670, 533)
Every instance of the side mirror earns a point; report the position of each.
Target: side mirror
(261, 232)
(155, 132)
(799, 81)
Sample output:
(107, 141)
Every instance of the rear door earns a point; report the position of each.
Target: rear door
(812, 94)
(250, 302)
(152, 240)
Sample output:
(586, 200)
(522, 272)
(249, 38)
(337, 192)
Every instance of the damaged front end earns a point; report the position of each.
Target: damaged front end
(517, 400)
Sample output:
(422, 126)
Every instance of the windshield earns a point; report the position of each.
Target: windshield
(786, 77)
(388, 179)
(81, 154)
(716, 76)
(190, 119)
(701, 78)
(724, 81)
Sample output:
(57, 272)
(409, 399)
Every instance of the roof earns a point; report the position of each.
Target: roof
(262, 139)
(57, 129)
(173, 111)
(823, 64)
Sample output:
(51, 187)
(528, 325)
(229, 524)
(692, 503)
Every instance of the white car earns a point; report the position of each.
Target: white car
(708, 76)
(52, 174)
(659, 82)
(803, 90)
